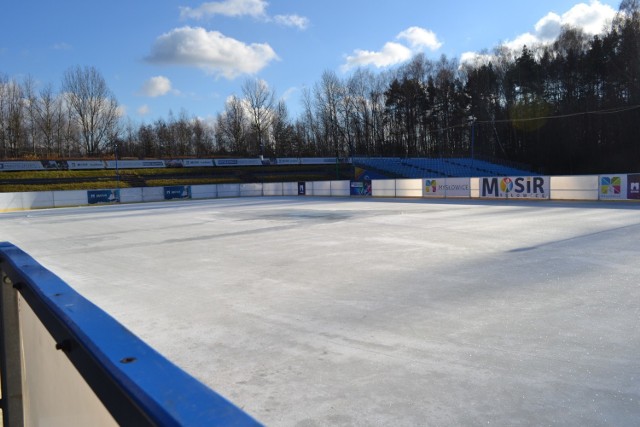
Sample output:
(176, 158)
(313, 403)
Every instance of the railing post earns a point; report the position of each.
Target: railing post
(10, 354)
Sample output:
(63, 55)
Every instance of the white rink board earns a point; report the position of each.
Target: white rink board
(574, 187)
(204, 191)
(228, 190)
(152, 194)
(409, 188)
(69, 198)
(273, 189)
(250, 190)
(130, 195)
(383, 188)
(319, 188)
(340, 188)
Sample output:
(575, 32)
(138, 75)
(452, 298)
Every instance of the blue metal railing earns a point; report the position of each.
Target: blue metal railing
(137, 385)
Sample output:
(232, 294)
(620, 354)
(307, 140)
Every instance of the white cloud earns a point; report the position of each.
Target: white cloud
(419, 38)
(519, 42)
(591, 18)
(548, 28)
(292, 21)
(476, 58)
(62, 46)
(210, 51)
(391, 54)
(237, 8)
(156, 86)
(234, 8)
(144, 110)
(289, 93)
(121, 110)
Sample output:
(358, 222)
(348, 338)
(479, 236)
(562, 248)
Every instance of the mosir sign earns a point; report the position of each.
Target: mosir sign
(523, 187)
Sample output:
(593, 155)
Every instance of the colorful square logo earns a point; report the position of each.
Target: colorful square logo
(430, 185)
(610, 185)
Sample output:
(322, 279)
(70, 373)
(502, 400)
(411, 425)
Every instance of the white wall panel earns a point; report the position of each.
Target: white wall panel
(340, 188)
(152, 194)
(574, 187)
(251, 190)
(228, 190)
(204, 191)
(70, 198)
(273, 189)
(409, 188)
(383, 188)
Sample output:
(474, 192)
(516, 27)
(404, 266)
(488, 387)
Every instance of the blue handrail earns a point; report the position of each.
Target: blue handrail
(137, 385)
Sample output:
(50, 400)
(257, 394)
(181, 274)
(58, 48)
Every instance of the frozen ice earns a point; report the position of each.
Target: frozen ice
(340, 311)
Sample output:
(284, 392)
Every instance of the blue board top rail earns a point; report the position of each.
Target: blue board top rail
(136, 384)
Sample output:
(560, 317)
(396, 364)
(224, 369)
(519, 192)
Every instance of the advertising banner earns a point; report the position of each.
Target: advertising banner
(361, 188)
(302, 188)
(103, 196)
(516, 187)
(238, 162)
(612, 187)
(196, 163)
(446, 187)
(134, 164)
(323, 161)
(633, 186)
(20, 166)
(85, 164)
(287, 161)
(177, 192)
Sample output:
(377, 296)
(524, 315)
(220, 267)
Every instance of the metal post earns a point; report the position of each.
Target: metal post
(10, 355)
(473, 138)
(117, 170)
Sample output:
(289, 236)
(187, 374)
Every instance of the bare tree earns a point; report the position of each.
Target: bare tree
(3, 115)
(260, 102)
(309, 123)
(93, 106)
(202, 138)
(283, 132)
(231, 127)
(329, 98)
(12, 111)
(45, 112)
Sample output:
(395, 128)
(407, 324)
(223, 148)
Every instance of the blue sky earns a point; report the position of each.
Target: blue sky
(161, 56)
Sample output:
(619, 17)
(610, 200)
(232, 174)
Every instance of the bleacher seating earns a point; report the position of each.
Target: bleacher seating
(422, 167)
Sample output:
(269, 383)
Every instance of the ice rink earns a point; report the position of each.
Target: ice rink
(371, 312)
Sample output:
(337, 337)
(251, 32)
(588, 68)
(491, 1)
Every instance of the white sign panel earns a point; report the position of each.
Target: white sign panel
(85, 164)
(20, 166)
(288, 161)
(516, 187)
(195, 163)
(135, 164)
(238, 162)
(446, 187)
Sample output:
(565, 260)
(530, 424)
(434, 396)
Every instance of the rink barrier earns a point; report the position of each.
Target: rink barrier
(574, 187)
(585, 187)
(64, 360)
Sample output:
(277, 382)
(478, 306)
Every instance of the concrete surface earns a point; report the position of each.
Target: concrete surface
(315, 312)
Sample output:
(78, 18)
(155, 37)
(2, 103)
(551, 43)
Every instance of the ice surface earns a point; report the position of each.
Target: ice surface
(324, 311)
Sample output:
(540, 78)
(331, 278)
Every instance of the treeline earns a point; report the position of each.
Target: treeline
(569, 107)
